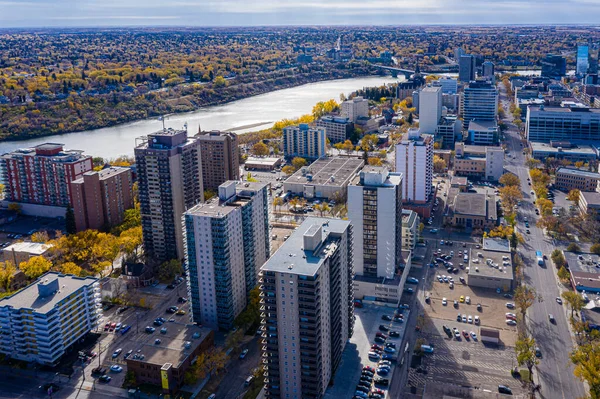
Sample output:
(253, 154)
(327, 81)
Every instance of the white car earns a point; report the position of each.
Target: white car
(473, 335)
(464, 318)
(477, 320)
(451, 285)
(468, 299)
(470, 319)
(444, 301)
(558, 300)
(440, 278)
(511, 322)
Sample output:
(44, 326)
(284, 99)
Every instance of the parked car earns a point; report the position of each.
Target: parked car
(243, 354)
(105, 378)
(116, 368)
(117, 353)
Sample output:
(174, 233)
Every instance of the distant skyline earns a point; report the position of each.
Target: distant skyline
(86, 13)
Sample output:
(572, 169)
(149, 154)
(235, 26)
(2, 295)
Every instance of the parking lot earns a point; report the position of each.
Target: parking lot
(356, 353)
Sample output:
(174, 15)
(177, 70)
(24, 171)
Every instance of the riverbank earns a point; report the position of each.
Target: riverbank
(78, 114)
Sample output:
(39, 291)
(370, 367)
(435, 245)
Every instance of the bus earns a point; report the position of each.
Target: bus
(540, 258)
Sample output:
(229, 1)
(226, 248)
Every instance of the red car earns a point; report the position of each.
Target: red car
(112, 326)
(377, 347)
(106, 326)
(465, 334)
(369, 368)
(382, 335)
(378, 391)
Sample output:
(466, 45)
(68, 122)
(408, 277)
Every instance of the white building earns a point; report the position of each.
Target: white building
(43, 320)
(414, 159)
(430, 108)
(483, 133)
(449, 85)
(227, 240)
(375, 210)
(307, 309)
(479, 102)
(494, 163)
(355, 108)
(410, 229)
(304, 141)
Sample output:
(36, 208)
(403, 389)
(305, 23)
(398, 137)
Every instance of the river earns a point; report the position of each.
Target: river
(242, 116)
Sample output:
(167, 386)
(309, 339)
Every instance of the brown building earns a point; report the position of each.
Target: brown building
(162, 358)
(589, 203)
(220, 157)
(101, 198)
(471, 210)
(570, 178)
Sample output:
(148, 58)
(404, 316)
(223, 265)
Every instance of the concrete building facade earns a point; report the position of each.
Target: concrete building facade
(220, 156)
(483, 133)
(430, 108)
(410, 229)
(479, 102)
(570, 178)
(304, 141)
(545, 124)
(355, 108)
(337, 129)
(449, 85)
(448, 130)
(491, 266)
(589, 203)
(414, 160)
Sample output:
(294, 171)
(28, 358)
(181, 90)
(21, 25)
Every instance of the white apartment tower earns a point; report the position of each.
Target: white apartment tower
(43, 320)
(307, 309)
(227, 240)
(430, 108)
(414, 160)
(375, 211)
(355, 108)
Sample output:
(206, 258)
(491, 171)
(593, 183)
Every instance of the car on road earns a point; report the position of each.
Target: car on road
(551, 319)
(182, 299)
(558, 300)
(383, 328)
(105, 378)
(386, 317)
(394, 334)
(180, 312)
(409, 290)
(473, 335)
(157, 341)
(129, 352)
(462, 299)
(476, 320)
(150, 329)
(116, 368)
(172, 309)
(389, 349)
(243, 354)
(433, 231)
(468, 300)
(382, 381)
(412, 280)
(117, 353)
(538, 352)
(527, 231)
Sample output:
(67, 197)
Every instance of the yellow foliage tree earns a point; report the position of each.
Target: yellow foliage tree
(70, 268)
(35, 266)
(7, 272)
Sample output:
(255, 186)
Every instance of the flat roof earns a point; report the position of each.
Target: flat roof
(591, 197)
(408, 217)
(582, 262)
(34, 248)
(483, 125)
(262, 161)
(216, 207)
(292, 258)
(322, 170)
(490, 264)
(172, 348)
(470, 204)
(431, 89)
(578, 172)
(581, 148)
(29, 297)
(459, 180)
(585, 279)
(496, 244)
(565, 109)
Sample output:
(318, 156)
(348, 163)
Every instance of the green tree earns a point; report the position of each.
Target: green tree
(563, 274)
(525, 351)
(573, 247)
(558, 258)
(514, 241)
(209, 194)
(71, 227)
(169, 269)
(574, 300)
(595, 249)
(586, 359)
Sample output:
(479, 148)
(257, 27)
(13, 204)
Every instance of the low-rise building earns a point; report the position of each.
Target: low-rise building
(483, 162)
(584, 271)
(262, 164)
(563, 150)
(448, 130)
(571, 178)
(410, 229)
(589, 203)
(383, 289)
(471, 210)
(41, 322)
(22, 251)
(491, 266)
(459, 183)
(337, 128)
(483, 133)
(324, 178)
(367, 124)
(168, 355)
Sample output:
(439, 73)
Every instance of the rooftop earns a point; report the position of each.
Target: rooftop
(431, 89)
(578, 172)
(334, 171)
(408, 217)
(33, 248)
(334, 119)
(377, 176)
(582, 262)
(176, 345)
(564, 109)
(218, 207)
(458, 181)
(483, 125)
(474, 204)
(496, 245)
(591, 198)
(262, 161)
(104, 173)
(545, 147)
(490, 263)
(46, 292)
(293, 258)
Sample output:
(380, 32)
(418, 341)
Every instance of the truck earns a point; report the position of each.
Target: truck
(540, 258)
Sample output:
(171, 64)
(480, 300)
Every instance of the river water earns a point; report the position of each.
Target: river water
(249, 114)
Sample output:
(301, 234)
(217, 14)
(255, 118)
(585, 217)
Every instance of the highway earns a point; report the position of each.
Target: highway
(555, 371)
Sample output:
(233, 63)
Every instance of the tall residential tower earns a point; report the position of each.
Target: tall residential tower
(220, 155)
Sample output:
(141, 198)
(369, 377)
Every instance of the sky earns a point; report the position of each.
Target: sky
(80, 13)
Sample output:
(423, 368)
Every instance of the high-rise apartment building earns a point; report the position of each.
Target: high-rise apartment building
(337, 129)
(304, 141)
(42, 174)
(101, 198)
(430, 108)
(42, 321)
(375, 211)
(414, 160)
(466, 68)
(547, 124)
(227, 241)
(355, 108)
(554, 66)
(220, 155)
(449, 85)
(169, 172)
(308, 313)
(583, 61)
(479, 102)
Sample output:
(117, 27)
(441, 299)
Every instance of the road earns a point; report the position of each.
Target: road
(555, 372)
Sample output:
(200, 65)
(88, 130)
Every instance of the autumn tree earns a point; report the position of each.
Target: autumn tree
(586, 359)
(563, 274)
(348, 146)
(595, 249)
(572, 247)
(322, 208)
(525, 352)
(169, 269)
(558, 258)
(524, 297)
(369, 142)
(14, 207)
(209, 194)
(375, 161)
(35, 266)
(277, 202)
(574, 300)
(439, 164)
(288, 170)
(70, 268)
(7, 273)
(40, 237)
(574, 195)
(510, 179)
(299, 162)
(260, 149)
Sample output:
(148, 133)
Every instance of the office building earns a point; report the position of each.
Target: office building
(554, 66)
(491, 266)
(375, 211)
(479, 102)
(563, 150)
(169, 173)
(262, 164)
(101, 198)
(430, 108)
(466, 68)
(220, 156)
(571, 178)
(355, 108)
(304, 141)
(42, 174)
(488, 70)
(471, 211)
(448, 131)
(414, 160)
(410, 229)
(483, 133)
(476, 161)
(451, 102)
(449, 85)
(583, 62)
(589, 203)
(227, 240)
(547, 124)
(165, 363)
(42, 321)
(308, 312)
(337, 129)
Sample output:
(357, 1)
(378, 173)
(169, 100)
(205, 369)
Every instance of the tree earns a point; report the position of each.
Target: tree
(375, 162)
(525, 351)
(299, 162)
(251, 179)
(208, 194)
(277, 202)
(573, 247)
(7, 273)
(70, 268)
(369, 142)
(251, 315)
(574, 195)
(233, 339)
(558, 259)
(410, 119)
(439, 164)
(220, 81)
(510, 179)
(514, 241)
(288, 170)
(595, 249)
(260, 149)
(322, 207)
(524, 298)
(348, 146)
(35, 266)
(14, 207)
(586, 359)
(574, 300)
(40, 236)
(71, 227)
(169, 269)
(563, 274)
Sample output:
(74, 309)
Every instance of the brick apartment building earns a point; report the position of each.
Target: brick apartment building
(101, 198)
(220, 157)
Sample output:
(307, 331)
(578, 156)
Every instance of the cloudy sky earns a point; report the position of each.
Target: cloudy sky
(39, 13)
